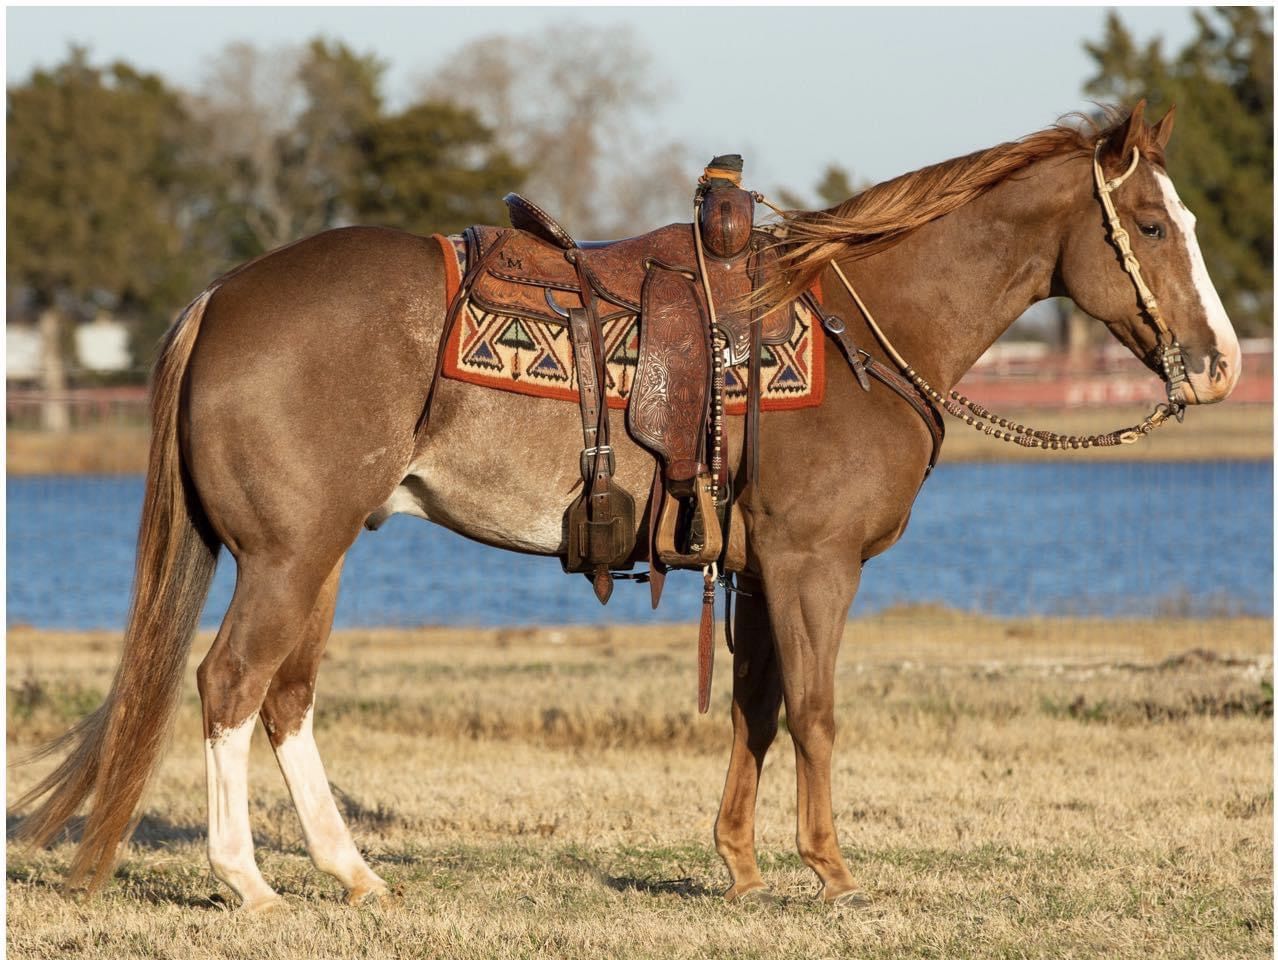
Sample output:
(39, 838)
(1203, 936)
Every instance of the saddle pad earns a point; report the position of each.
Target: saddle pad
(534, 357)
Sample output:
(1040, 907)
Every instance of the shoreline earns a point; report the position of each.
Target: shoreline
(1240, 433)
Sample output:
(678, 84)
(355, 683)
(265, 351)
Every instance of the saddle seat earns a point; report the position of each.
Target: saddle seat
(529, 217)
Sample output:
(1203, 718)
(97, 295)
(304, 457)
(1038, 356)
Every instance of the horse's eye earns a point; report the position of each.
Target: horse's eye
(1152, 230)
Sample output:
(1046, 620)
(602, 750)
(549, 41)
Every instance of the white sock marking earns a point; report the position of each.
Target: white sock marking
(230, 837)
(327, 838)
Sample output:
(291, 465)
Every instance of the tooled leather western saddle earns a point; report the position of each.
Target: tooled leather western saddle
(685, 281)
(688, 284)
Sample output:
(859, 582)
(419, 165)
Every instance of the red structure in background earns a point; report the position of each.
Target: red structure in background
(1009, 376)
(1013, 375)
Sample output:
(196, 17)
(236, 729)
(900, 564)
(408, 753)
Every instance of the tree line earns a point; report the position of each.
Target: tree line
(128, 194)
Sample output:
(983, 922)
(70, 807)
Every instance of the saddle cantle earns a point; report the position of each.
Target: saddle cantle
(527, 216)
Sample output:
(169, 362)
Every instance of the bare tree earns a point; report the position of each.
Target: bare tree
(250, 98)
(581, 123)
(285, 122)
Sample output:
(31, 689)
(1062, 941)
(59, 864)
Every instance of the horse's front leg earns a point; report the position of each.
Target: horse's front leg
(808, 596)
(756, 698)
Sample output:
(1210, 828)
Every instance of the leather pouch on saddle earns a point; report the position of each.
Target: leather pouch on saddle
(600, 542)
(599, 526)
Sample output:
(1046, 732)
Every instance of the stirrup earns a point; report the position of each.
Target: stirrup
(704, 526)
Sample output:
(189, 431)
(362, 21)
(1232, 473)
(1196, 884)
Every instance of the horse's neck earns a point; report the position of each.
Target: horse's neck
(944, 294)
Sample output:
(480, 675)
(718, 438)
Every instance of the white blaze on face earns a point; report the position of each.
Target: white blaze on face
(1204, 388)
(327, 838)
(230, 838)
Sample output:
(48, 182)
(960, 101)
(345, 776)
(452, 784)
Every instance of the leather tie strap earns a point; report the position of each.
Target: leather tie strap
(705, 640)
(597, 460)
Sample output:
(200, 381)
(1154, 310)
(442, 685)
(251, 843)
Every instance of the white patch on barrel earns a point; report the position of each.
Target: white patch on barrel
(327, 838)
(230, 837)
(1213, 309)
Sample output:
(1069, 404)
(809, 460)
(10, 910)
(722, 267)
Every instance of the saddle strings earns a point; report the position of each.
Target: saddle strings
(718, 344)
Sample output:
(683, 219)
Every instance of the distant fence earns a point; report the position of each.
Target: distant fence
(1030, 375)
(1012, 375)
(86, 407)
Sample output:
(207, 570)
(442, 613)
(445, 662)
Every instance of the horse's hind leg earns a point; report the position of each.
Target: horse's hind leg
(287, 716)
(268, 615)
(756, 698)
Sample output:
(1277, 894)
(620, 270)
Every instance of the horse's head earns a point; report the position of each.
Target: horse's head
(1160, 231)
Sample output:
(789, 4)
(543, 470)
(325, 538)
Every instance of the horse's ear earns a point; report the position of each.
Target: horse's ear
(1163, 128)
(1134, 135)
(1130, 133)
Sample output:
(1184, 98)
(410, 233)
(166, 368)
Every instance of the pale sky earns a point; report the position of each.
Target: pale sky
(878, 90)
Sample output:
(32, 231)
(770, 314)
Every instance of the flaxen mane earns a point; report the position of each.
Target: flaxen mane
(884, 214)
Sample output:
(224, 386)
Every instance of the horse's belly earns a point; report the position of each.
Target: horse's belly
(501, 515)
(502, 469)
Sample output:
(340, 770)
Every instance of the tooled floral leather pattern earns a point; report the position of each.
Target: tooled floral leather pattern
(668, 402)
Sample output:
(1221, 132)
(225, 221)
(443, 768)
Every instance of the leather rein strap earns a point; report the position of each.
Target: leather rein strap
(865, 366)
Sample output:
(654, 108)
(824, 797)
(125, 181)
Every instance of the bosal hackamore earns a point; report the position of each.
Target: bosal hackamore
(1167, 352)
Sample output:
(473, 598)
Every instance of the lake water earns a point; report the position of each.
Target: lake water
(1120, 539)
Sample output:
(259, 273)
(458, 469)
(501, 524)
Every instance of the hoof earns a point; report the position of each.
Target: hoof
(379, 894)
(854, 899)
(264, 905)
(759, 896)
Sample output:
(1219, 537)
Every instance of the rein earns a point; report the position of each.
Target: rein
(991, 424)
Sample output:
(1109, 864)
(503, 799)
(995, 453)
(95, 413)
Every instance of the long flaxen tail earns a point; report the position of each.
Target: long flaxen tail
(112, 753)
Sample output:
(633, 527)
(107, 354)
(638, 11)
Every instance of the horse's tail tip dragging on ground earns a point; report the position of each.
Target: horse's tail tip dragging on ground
(112, 753)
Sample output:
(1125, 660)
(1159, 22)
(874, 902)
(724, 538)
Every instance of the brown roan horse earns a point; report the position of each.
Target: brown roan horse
(285, 412)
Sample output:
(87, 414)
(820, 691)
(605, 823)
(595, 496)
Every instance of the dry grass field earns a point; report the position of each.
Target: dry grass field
(1226, 432)
(1003, 789)
(1229, 432)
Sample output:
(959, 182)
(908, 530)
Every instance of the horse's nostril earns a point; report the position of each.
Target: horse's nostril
(1219, 366)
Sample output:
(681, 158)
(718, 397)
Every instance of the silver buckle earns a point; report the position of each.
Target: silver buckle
(589, 454)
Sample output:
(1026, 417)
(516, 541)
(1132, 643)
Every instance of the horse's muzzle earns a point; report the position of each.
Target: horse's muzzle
(1215, 379)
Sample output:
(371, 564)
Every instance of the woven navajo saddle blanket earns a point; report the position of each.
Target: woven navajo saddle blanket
(534, 356)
